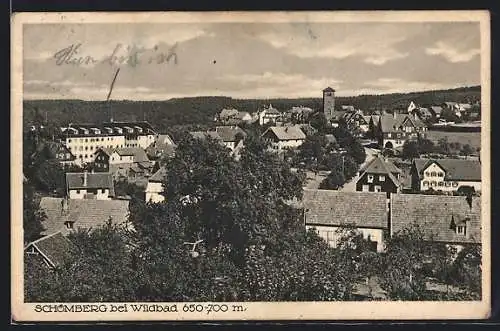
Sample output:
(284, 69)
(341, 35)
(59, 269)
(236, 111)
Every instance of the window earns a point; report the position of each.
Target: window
(455, 184)
(427, 173)
(433, 174)
(425, 183)
(461, 229)
(86, 156)
(80, 156)
(381, 178)
(378, 188)
(103, 190)
(365, 188)
(440, 174)
(389, 135)
(69, 140)
(440, 184)
(86, 140)
(370, 178)
(448, 184)
(80, 148)
(86, 148)
(433, 183)
(77, 191)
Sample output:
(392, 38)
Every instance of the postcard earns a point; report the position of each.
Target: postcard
(319, 165)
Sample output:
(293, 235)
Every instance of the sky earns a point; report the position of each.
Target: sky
(158, 61)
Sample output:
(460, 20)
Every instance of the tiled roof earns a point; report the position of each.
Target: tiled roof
(380, 166)
(53, 248)
(329, 207)
(163, 145)
(138, 153)
(159, 175)
(455, 169)
(229, 133)
(338, 114)
(389, 123)
(436, 215)
(300, 110)
(97, 180)
(205, 134)
(85, 213)
(286, 132)
(436, 109)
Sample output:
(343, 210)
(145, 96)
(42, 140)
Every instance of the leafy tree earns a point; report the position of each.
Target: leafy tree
(333, 181)
(49, 176)
(466, 150)
(33, 217)
(410, 150)
(319, 122)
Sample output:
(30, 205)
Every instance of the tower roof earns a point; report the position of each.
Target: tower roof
(328, 89)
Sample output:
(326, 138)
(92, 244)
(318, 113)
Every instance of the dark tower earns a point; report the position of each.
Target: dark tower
(328, 102)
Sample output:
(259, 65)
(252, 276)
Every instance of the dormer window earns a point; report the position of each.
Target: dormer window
(370, 178)
(462, 229)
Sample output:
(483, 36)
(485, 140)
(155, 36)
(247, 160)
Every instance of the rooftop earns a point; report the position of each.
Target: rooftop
(456, 169)
(53, 247)
(329, 207)
(97, 180)
(85, 213)
(437, 215)
(286, 132)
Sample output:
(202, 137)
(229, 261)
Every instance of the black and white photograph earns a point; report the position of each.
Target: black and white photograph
(279, 165)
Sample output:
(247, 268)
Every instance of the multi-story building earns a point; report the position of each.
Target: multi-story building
(394, 129)
(446, 175)
(379, 176)
(284, 137)
(83, 140)
(328, 102)
(269, 115)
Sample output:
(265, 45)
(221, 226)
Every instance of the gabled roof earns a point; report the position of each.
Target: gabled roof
(54, 248)
(300, 110)
(348, 107)
(286, 132)
(138, 153)
(159, 175)
(391, 123)
(97, 180)
(450, 104)
(163, 145)
(437, 109)
(334, 208)
(270, 110)
(85, 213)
(455, 169)
(379, 166)
(229, 133)
(436, 215)
(328, 89)
(336, 115)
(54, 147)
(228, 113)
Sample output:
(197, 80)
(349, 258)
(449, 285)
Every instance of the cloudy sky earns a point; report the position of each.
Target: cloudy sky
(246, 60)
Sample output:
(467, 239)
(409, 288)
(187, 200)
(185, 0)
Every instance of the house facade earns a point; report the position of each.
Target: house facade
(155, 187)
(85, 185)
(284, 137)
(83, 140)
(269, 115)
(329, 211)
(446, 175)
(394, 129)
(379, 175)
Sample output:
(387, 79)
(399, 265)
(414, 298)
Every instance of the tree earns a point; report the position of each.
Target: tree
(49, 176)
(410, 150)
(319, 122)
(343, 164)
(33, 217)
(466, 150)
(313, 150)
(333, 181)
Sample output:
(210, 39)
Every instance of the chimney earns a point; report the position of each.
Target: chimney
(85, 178)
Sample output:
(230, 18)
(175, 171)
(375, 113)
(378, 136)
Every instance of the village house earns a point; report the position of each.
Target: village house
(162, 147)
(119, 161)
(57, 150)
(394, 129)
(447, 175)
(49, 251)
(67, 215)
(453, 220)
(232, 136)
(232, 116)
(83, 140)
(155, 187)
(269, 115)
(307, 128)
(327, 211)
(299, 114)
(284, 137)
(357, 121)
(379, 175)
(85, 185)
(436, 111)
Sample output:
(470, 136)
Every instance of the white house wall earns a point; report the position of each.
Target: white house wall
(330, 235)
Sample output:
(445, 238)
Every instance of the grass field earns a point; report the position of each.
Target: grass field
(471, 138)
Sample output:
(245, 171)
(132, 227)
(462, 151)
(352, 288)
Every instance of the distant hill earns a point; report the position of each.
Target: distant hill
(201, 110)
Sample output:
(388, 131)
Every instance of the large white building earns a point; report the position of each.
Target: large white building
(83, 140)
